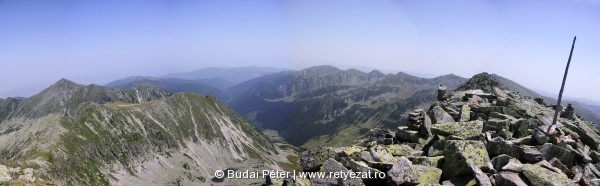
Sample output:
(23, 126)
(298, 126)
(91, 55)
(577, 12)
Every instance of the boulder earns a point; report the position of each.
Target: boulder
(331, 165)
(538, 175)
(550, 151)
(466, 130)
(506, 163)
(409, 136)
(398, 171)
(482, 178)
(465, 113)
(460, 154)
(425, 128)
(556, 163)
(595, 182)
(439, 115)
(400, 150)
(531, 154)
(423, 175)
(436, 161)
(524, 127)
(587, 175)
(311, 160)
(496, 148)
(496, 125)
(510, 179)
(359, 166)
(586, 133)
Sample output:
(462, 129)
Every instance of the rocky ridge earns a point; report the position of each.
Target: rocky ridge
(480, 134)
(77, 134)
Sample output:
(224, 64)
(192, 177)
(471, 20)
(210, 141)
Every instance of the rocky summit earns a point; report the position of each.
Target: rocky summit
(479, 134)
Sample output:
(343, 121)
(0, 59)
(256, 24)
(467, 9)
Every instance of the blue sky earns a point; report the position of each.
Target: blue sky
(99, 41)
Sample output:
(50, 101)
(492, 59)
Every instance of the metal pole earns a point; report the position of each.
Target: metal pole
(562, 87)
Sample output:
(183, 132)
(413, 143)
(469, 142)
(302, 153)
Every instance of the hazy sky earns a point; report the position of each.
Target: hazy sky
(100, 41)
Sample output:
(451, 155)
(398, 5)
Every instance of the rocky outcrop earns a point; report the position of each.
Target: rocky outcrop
(483, 134)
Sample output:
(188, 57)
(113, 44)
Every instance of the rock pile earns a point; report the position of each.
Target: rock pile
(480, 134)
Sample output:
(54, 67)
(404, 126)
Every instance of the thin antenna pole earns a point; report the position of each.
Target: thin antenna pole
(562, 87)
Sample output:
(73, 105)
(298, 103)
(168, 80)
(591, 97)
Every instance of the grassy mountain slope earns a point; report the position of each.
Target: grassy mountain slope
(178, 139)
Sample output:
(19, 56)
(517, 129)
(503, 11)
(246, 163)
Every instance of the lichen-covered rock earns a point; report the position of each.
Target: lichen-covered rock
(359, 166)
(397, 174)
(556, 163)
(436, 161)
(538, 175)
(410, 136)
(524, 127)
(550, 151)
(531, 154)
(460, 154)
(499, 147)
(482, 178)
(4, 174)
(586, 133)
(466, 130)
(311, 160)
(423, 175)
(439, 115)
(400, 150)
(331, 165)
(465, 113)
(510, 179)
(507, 163)
(496, 125)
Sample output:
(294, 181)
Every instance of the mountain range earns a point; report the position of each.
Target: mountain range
(347, 102)
(176, 131)
(71, 134)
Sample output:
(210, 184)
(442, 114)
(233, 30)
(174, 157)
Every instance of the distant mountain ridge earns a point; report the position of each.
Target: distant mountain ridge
(325, 105)
(234, 75)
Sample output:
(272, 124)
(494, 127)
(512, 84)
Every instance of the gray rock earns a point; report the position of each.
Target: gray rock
(524, 127)
(466, 130)
(422, 175)
(460, 154)
(586, 133)
(442, 93)
(550, 151)
(538, 175)
(496, 148)
(331, 165)
(507, 163)
(556, 163)
(311, 160)
(531, 155)
(587, 175)
(397, 173)
(439, 115)
(482, 178)
(436, 161)
(425, 128)
(595, 182)
(496, 125)
(359, 166)
(465, 113)
(510, 179)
